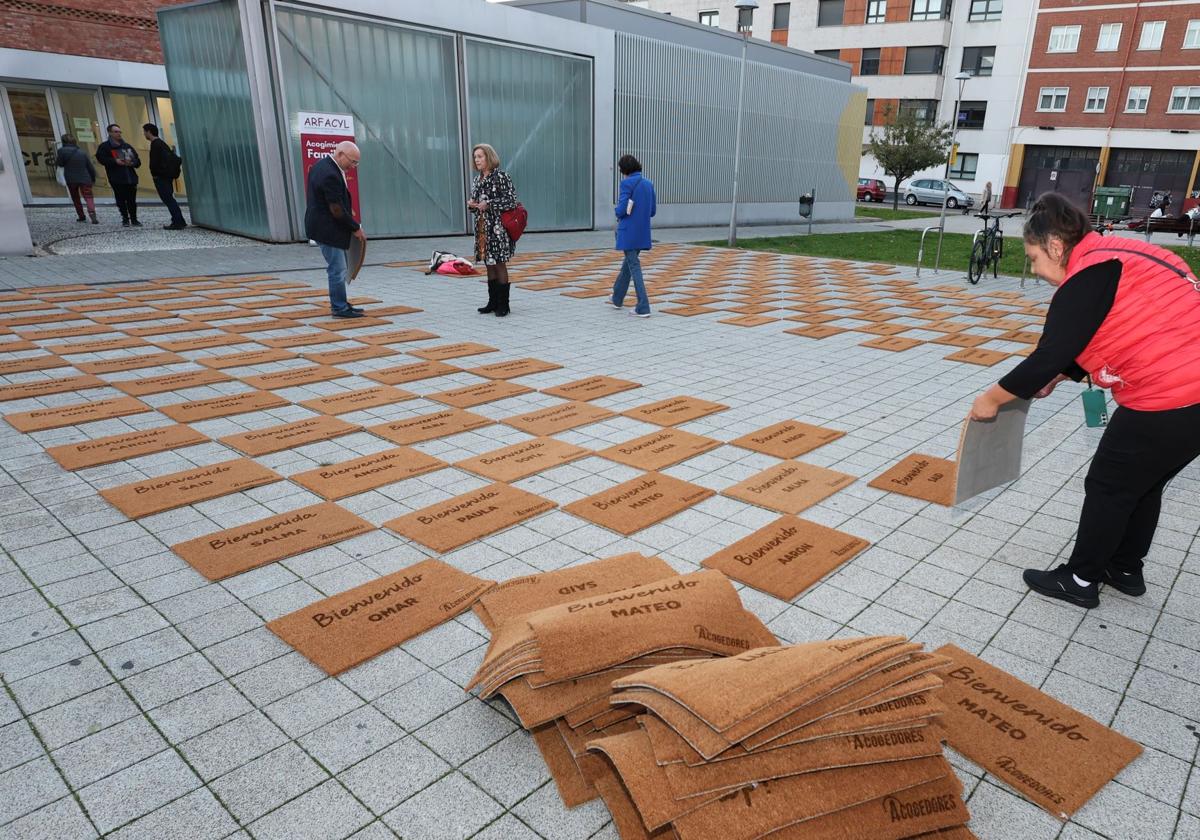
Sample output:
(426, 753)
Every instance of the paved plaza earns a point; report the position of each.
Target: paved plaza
(141, 700)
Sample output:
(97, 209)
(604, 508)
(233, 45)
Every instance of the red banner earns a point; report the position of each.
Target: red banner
(319, 134)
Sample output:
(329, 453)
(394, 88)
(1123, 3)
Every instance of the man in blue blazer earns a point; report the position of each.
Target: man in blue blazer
(636, 204)
(329, 220)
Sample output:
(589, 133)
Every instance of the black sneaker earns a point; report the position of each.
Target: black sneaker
(1060, 583)
(349, 313)
(174, 227)
(1131, 583)
(124, 223)
(136, 223)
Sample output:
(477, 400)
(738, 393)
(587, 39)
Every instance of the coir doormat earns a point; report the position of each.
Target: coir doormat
(359, 475)
(425, 427)
(186, 487)
(452, 351)
(786, 557)
(521, 460)
(359, 399)
(71, 415)
(591, 388)
(445, 526)
(250, 357)
(659, 450)
(45, 387)
(410, 373)
(673, 411)
(289, 435)
(131, 363)
(639, 503)
(340, 632)
(189, 412)
(1048, 752)
(113, 448)
(558, 418)
(170, 382)
(514, 368)
(790, 487)
(483, 392)
(293, 377)
(350, 354)
(921, 477)
(787, 440)
(236, 550)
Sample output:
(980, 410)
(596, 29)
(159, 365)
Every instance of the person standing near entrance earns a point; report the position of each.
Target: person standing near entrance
(329, 220)
(492, 193)
(636, 205)
(165, 167)
(121, 162)
(79, 174)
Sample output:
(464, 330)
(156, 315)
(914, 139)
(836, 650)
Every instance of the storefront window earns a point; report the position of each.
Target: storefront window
(35, 135)
(78, 112)
(131, 111)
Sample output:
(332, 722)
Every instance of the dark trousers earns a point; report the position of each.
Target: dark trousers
(167, 194)
(126, 195)
(1139, 453)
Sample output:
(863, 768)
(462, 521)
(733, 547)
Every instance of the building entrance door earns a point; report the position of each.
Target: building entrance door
(1068, 170)
(36, 140)
(80, 118)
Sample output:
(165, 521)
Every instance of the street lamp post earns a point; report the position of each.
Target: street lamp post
(747, 5)
(962, 77)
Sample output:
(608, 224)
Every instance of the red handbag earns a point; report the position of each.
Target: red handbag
(514, 221)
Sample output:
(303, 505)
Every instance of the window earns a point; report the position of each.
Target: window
(923, 110)
(869, 65)
(971, 114)
(876, 11)
(1191, 38)
(1152, 32)
(978, 60)
(965, 166)
(710, 18)
(1184, 100)
(1138, 100)
(830, 12)
(834, 54)
(930, 9)
(1110, 37)
(919, 60)
(870, 120)
(745, 20)
(986, 9)
(781, 16)
(1063, 39)
(1052, 99)
(1097, 100)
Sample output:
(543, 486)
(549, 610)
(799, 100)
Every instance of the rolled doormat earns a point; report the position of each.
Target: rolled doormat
(659, 450)
(190, 412)
(396, 337)
(170, 382)
(289, 435)
(445, 526)
(350, 354)
(514, 368)
(591, 388)
(787, 440)
(122, 447)
(558, 418)
(293, 377)
(639, 503)
(1055, 756)
(250, 357)
(452, 351)
(786, 557)
(673, 411)
(186, 487)
(337, 633)
(357, 400)
(790, 487)
(410, 373)
(72, 415)
(236, 550)
(425, 427)
(349, 478)
(921, 477)
(521, 460)
(483, 392)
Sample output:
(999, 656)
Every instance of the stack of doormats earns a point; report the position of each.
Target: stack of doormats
(554, 654)
(834, 739)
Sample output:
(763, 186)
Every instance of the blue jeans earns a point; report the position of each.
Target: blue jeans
(166, 194)
(335, 267)
(631, 268)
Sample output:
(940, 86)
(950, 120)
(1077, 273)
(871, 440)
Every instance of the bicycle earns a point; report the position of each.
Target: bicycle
(988, 247)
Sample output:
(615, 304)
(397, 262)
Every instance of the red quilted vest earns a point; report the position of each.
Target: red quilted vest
(1147, 351)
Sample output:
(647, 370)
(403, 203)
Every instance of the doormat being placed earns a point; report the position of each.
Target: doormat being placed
(521, 460)
(349, 628)
(189, 412)
(410, 373)
(786, 557)
(250, 357)
(359, 475)
(790, 487)
(289, 435)
(639, 503)
(591, 388)
(445, 526)
(921, 477)
(484, 392)
(674, 411)
(71, 415)
(787, 440)
(558, 418)
(425, 427)
(513, 369)
(358, 400)
(186, 487)
(1053, 755)
(170, 382)
(113, 448)
(659, 450)
(236, 550)
(452, 351)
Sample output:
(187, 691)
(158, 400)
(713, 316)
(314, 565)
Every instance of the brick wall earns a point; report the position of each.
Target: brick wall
(1160, 83)
(126, 31)
(1171, 54)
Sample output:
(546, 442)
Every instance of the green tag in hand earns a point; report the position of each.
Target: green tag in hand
(1095, 408)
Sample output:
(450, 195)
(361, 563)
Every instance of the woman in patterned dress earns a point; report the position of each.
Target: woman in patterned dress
(492, 193)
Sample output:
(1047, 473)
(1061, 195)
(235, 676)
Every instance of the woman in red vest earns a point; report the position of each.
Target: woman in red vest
(1127, 314)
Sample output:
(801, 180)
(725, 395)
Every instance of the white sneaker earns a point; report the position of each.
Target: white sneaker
(608, 301)
(637, 314)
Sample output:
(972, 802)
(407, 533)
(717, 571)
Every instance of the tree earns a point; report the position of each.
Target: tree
(907, 145)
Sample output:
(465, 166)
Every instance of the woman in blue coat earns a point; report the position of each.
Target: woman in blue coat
(635, 206)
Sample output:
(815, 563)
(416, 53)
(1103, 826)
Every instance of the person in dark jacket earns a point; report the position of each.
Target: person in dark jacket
(636, 204)
(121, 162)
(80, 175)
(492, 193)
(165, 167)
(329, 220)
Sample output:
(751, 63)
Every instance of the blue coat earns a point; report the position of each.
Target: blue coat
(633, 229)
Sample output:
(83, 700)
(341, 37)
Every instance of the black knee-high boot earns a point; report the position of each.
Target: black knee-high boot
(502, 290)
(491, 304)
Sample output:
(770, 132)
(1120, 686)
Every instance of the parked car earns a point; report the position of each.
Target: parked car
(931, 190)
(871, 189)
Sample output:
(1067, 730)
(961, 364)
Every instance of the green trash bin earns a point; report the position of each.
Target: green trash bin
(1111, 202)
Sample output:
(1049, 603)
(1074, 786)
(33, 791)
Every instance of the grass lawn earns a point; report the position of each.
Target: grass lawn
(885, 213)
(900, 248)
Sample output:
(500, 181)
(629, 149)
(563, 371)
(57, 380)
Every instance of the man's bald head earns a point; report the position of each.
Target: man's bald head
(346, 154)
